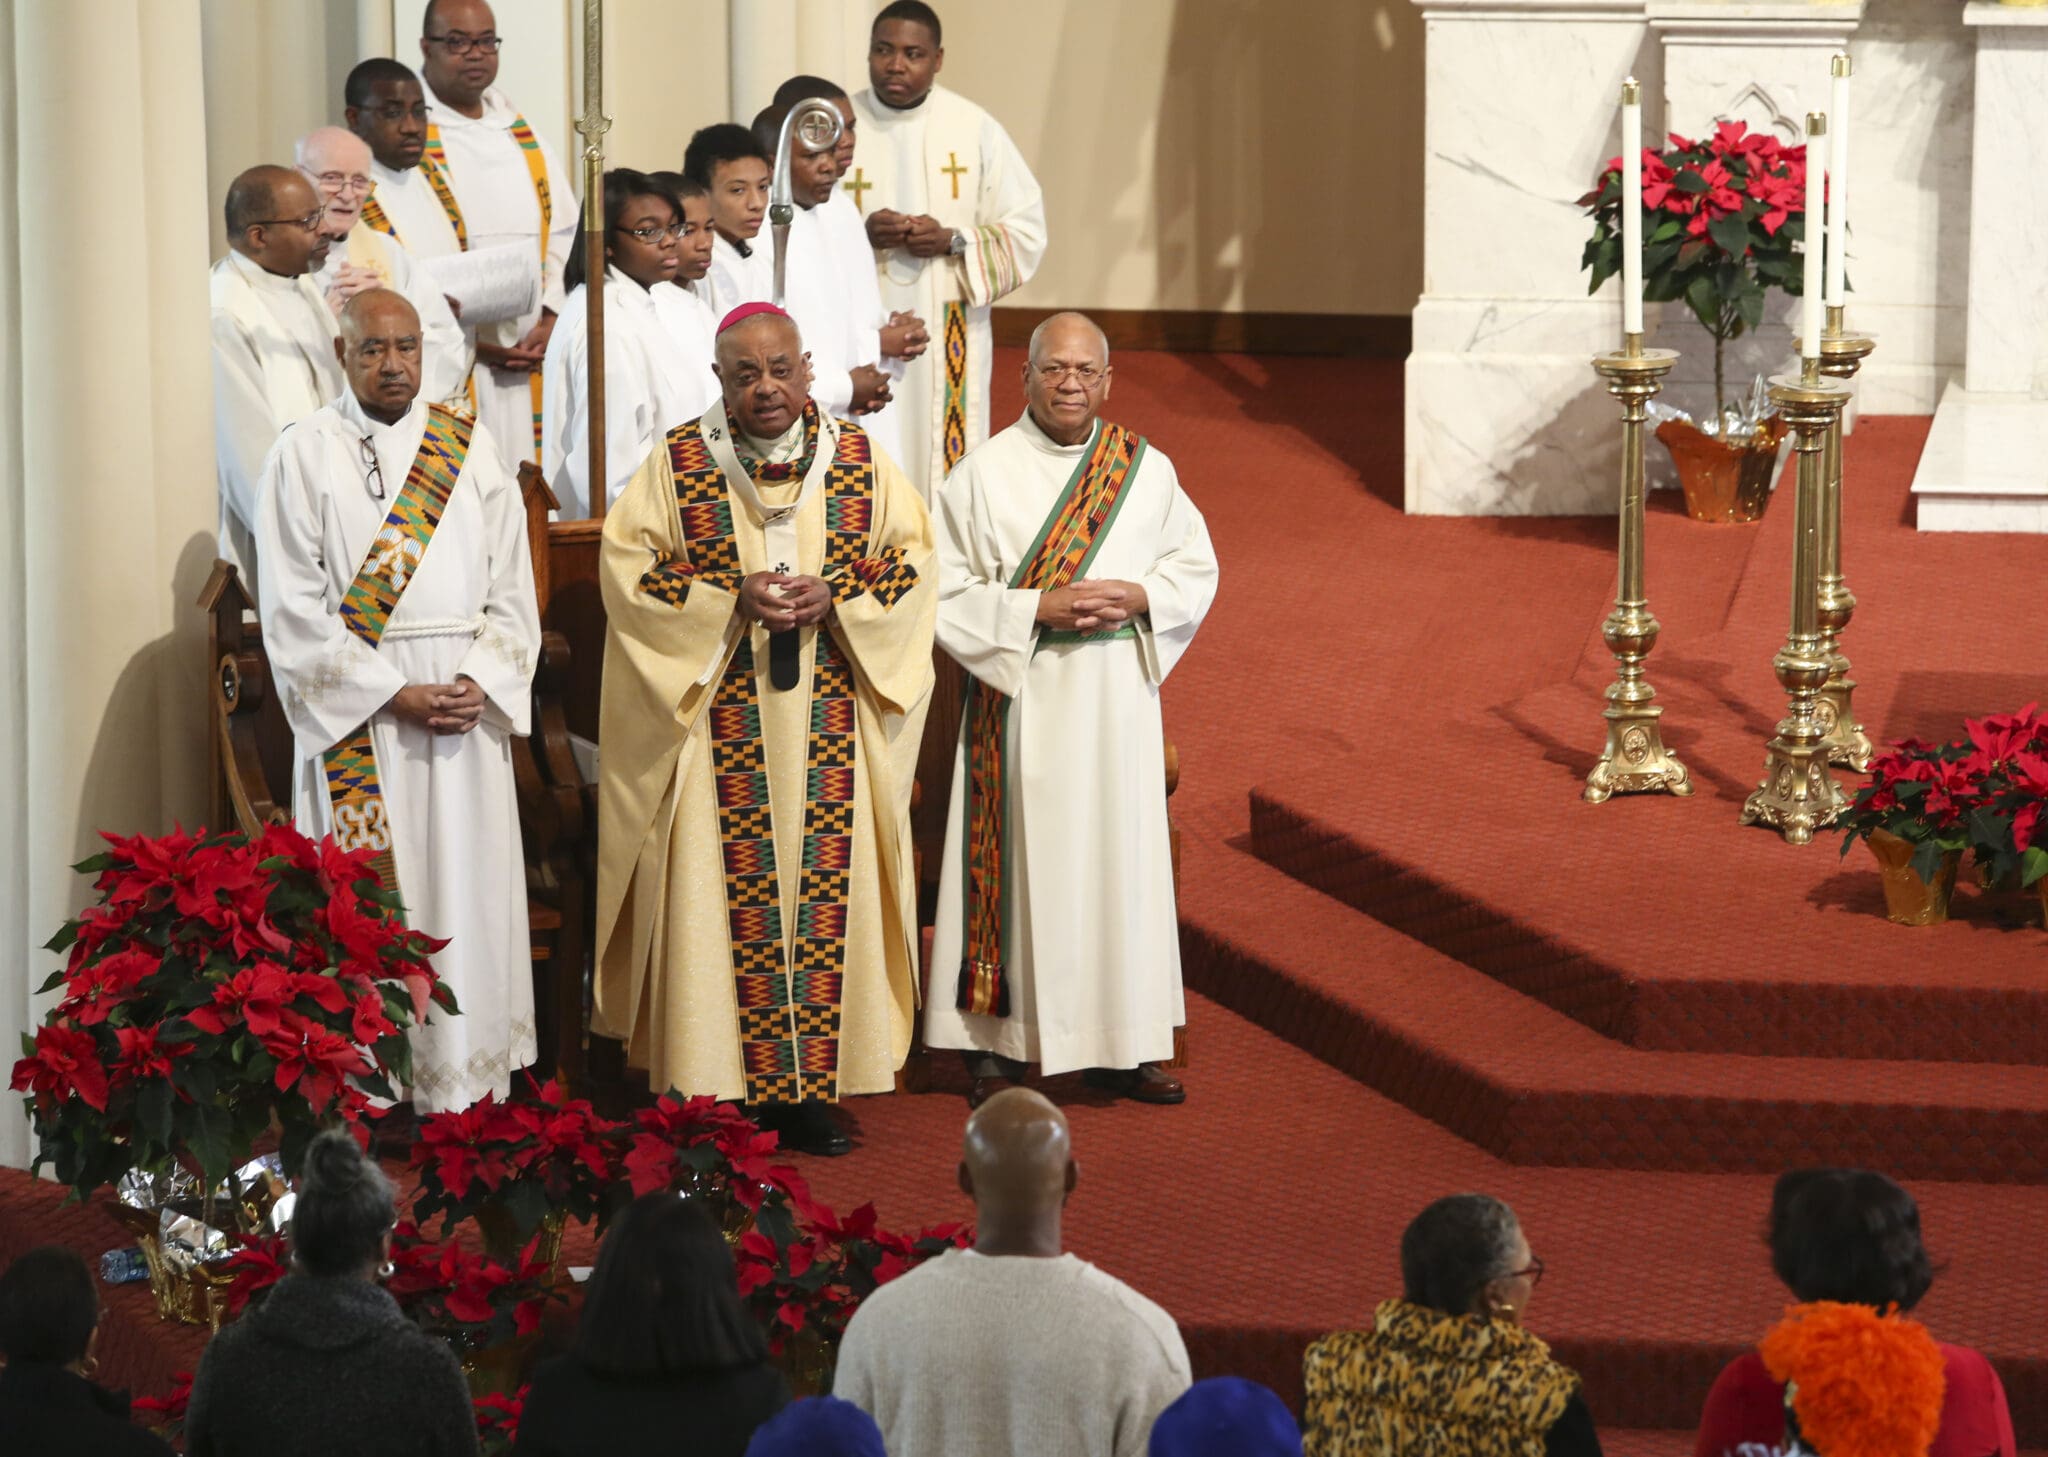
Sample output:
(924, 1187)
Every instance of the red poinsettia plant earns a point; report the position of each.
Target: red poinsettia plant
(1923, 793)
(2008, 754)
(1722, 218)
(221, 984)
(497, 1421)
(466, 1296)
(165, 1415)
(525, 1157)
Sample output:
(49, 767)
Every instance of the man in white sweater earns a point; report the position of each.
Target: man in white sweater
(1013, 1346)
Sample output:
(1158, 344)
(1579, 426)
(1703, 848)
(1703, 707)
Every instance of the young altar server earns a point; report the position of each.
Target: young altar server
(734, 171)
(957, 222)
(1073, 574)
(650, 386)
(399, 615)
(768, 586)
(273, 341)
(685, 305)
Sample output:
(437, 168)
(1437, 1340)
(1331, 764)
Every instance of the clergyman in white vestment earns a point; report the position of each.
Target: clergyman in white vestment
(508, 186)
(957, 222)
(359, 257)
(273, 341)
(440, 679)
(1057, 941)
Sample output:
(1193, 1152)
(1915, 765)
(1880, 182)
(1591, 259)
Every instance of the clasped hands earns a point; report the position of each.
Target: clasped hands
(527, 354)
(779, 602)
(442, 708)
(1092, 605)
(921, 235)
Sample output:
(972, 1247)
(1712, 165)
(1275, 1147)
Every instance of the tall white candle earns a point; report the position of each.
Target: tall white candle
(1631, 207)
(1838, 179)
(1816, 175)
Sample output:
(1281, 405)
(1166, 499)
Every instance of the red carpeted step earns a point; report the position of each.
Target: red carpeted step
(1533, 1086)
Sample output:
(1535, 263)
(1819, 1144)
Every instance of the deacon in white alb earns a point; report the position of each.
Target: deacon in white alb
(1073, 573)
(502, 185)
(957, 222)
(273, 341)
(400, 620)
(359, 257)
(650, 386)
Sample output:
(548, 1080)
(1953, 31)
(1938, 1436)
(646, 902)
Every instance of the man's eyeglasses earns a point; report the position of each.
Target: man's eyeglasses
(373, 478)
(656, 234)
(1087, 374)
(310, 222)
(398, 111)
(458, 44)
(338, 182)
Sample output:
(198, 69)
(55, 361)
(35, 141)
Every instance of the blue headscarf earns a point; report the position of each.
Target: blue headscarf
(821, 1426)
(1226, 1416)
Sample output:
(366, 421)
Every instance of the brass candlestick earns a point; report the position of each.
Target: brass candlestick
(1841, 355)
(1798, 795)
(1635, 760)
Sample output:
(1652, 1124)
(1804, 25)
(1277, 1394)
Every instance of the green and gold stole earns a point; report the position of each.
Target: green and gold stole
(789, 1001)
(434, 162)
(1066, 545)
(353, 789)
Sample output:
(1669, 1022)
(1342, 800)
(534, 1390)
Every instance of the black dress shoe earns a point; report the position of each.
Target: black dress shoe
(980, 1090)
(1145, 1083)
(807, 1128)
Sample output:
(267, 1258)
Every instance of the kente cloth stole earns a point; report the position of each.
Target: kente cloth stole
(789, 999)
(353, 790)
(953, 408)
(434, 162)
(1068, 541)
(373, 213)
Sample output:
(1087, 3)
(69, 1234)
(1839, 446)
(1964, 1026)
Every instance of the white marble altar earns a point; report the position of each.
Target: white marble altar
(1504, 413)
(1985, 467)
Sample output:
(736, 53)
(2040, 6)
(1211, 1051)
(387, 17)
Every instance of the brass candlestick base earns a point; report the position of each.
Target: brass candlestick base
(1841, 355)
(1798, 795)
(1635, 760)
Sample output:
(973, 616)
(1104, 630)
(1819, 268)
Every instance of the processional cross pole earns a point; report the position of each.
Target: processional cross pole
(592, 126)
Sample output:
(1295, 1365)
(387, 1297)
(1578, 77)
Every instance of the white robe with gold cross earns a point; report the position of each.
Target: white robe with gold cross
(467, 611)
(948, 159)
(665, 973)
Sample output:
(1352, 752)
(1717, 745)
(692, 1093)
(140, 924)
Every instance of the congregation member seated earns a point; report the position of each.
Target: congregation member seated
(663, 1346)
(49, 1329)
(650, 386)
(328, 1365)
(1226, 1416)
(1013, 1346)
(822, 1426)
(1449, 1367)
(1851, 1236)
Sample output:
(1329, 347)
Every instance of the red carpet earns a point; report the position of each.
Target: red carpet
(1418, 964)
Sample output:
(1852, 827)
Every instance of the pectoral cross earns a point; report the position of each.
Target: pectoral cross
(954, 173)
(859, 185)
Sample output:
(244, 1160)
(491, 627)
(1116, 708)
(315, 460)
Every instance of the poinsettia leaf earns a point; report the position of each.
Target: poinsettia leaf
(1732, 233)
(395, 1053)
(1665, 231)
(1750, 304)
(1601, 273)
(1704, 301)
(63, 939)
(153, 1110)
(1927, 862)
(1689, 181)
(199, 1080)
(2033, 865)
(527, 1203)
(1691, 251)
(55, 980)
(376, 1085)
(94, 864)
(207, 1132)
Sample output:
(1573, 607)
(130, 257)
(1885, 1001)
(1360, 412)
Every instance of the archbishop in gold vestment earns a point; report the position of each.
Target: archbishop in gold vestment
(769, 957)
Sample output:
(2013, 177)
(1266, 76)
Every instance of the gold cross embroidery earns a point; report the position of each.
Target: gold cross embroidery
(954, 173)
(857, 187)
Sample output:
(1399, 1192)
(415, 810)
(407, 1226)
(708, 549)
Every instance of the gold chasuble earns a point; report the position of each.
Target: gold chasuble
(756, 918)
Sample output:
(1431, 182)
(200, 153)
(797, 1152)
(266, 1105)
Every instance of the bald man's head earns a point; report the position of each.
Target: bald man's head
(1066, 376)
(1017, 1161)
(380, 349)
(337, 162)
(273, 218)
(764, 374)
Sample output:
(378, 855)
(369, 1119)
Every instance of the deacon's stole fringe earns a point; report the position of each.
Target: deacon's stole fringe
(1067, 543)
(434, 162)
(354, 791)
(789, 1002)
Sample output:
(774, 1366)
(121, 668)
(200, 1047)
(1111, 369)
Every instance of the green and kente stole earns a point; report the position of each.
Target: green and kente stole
(434, 162)
(789, 999)
(353, 791)
(1067, 543)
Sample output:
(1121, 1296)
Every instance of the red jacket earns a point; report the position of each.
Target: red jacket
(1745, 1412)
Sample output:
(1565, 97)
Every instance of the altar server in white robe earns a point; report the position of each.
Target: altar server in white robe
(273, 341)
(733, 169)
(428, 688)
(684, 306)
(649, 385)
(957, 222)
(359, 258)
(503, 184)
(1073, 573)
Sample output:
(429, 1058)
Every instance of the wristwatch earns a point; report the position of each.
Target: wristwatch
(959, 243)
